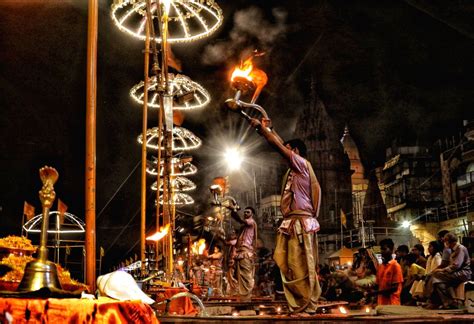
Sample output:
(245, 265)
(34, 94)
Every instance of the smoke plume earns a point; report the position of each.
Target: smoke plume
(250, 31)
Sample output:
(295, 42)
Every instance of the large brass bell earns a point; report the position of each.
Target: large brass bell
(41, 273)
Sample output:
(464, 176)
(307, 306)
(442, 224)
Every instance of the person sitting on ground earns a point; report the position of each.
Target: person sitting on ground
(419, 251)
(339, 286)
(389, 276)
(446, 251)
(401, 252)
(365, 269)
(433, 261)
(415, 273)
(442, 281)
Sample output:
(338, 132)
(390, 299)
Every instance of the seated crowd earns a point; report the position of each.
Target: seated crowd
(409, 278)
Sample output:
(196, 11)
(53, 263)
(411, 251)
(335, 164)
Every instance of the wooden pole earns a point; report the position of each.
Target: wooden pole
(169, 155)
(91, 111)
(167, 138)
(144, 129)
(156, 72)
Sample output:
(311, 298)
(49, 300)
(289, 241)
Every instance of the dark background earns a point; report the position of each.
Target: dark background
(389, 69)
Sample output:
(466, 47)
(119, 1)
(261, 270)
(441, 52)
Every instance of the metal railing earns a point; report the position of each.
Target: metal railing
(446, 212)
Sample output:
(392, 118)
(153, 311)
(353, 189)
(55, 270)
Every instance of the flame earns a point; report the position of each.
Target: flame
(199, 247)
(343, 310)
(367, 309)
(243, 70)
(258, 77)
(160, 234)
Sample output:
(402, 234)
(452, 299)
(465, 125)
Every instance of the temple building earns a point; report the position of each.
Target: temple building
(358, 177)
(331, 164)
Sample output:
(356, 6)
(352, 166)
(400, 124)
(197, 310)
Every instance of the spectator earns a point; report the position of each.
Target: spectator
(338, 286)
(415, 272)
(433, 261)
(442, 281)
(419, 251)
(446, 251)
(365, 269)
(389, 276)
(401, 252)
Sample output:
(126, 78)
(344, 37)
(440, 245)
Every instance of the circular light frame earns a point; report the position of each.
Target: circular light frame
(181, 184)
(179, 199)
(178, 167)
(183, 139)
(193, 95)
(205, 17)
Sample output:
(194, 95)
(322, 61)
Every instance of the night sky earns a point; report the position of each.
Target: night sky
(389, 69)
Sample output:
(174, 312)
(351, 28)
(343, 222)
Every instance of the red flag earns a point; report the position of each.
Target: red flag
(28, 210)
(173, 61)
(62, 207)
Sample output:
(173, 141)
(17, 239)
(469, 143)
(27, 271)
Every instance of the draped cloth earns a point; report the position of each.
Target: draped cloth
(52, 310)
(297, 262)
(296, 251)
(245, 273)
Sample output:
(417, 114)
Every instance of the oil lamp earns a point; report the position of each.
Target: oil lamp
(160, 234)
(247, 79)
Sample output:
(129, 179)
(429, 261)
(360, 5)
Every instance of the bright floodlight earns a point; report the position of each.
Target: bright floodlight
(233, 158)
(188, 20)
(406, 224)
(188, 93)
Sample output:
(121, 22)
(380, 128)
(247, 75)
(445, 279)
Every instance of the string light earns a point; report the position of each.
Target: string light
(189, 94)
(183, 139)
(179, 184)
(205, 17)
(178, 167)
(34, 224)
(179, 198)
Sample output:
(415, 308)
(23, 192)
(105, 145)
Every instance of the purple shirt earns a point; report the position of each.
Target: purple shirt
(246, 237)
(299, 183)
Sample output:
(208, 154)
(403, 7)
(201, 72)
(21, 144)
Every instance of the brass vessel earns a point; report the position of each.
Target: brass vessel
(42, 273)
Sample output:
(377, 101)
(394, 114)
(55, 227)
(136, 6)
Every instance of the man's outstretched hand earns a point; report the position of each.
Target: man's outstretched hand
(255, 123)
(266, 122)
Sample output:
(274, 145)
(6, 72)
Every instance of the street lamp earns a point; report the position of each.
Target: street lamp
(406, 224)
(233, 158)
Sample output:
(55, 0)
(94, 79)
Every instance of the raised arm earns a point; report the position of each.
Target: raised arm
(271, 136)
(233, 211)
(236, 216)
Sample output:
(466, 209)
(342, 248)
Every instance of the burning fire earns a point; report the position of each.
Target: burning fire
(343, 310)
(160, 234)
(199, 247)
(243, 70)
(256, 76)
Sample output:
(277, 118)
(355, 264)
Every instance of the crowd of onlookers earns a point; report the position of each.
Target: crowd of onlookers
(403, 276)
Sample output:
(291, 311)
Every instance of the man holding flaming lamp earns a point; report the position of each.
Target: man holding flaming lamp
(296, 252)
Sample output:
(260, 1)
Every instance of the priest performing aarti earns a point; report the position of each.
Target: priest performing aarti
(296, 251)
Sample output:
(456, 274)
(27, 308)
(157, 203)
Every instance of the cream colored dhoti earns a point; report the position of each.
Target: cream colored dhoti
(296, 256)
(245, 272)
